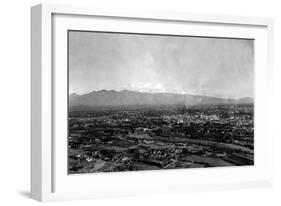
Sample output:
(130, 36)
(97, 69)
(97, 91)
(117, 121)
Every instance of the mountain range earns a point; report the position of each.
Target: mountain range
(112, 98)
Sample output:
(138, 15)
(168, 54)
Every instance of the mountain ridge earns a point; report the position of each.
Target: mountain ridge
(123, 98)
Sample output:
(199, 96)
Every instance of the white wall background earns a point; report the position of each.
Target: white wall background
(15, 101)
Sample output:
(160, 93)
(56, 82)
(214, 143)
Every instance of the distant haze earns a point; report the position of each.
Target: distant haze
(216, 67)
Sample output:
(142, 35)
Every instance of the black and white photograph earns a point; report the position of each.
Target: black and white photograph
(153, 102)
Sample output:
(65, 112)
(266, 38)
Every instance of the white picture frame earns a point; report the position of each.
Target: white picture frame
(49, 179)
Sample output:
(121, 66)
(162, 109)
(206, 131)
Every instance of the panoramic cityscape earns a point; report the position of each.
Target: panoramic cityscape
(148, 102)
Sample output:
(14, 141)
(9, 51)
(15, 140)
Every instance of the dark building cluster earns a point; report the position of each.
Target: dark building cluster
(107, 140)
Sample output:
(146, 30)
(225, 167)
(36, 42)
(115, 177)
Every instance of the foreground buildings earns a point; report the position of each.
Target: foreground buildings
(108, 140)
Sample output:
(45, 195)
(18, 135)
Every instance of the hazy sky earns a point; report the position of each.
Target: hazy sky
(195, 65)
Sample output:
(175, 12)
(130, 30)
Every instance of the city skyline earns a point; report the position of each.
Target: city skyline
(151, 63)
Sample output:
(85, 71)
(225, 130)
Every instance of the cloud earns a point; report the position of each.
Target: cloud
(209, 66)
